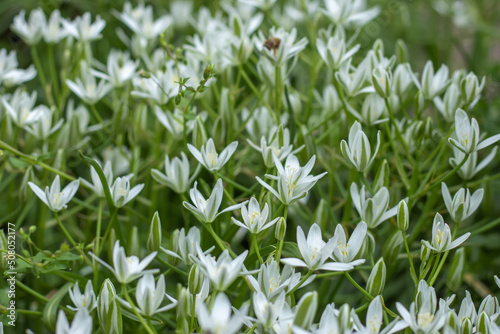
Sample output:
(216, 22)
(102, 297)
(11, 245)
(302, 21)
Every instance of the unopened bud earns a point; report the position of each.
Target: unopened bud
(108, 309)
(154, 237)
(280, 230)
(306, 310)
(381, 82)
(195, 280)
(403, 216)
(199, 133)
(345, 319)
(376, 280)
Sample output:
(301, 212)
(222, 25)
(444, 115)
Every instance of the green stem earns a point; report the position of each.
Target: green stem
(410, 259)
(256, 246)
(39, 70)
(97, 241)
(303, 279)
(65, 231)
(108, 230)
(218, 239)
(277, 96)
(141, 319)
(53, 72)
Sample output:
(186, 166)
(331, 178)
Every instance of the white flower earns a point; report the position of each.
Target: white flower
(372, 210)
(221, 272)
(82, 323)
(470, 168)
(345, 251)
(219, 320)
(127, 269)
(120, 68)
(293, 181)
(175, 122)
(374, 318)
(373, 107)
(471, 89)
(21, 108)
(267, 312)
(353, 79)
(87, 87)
(270, 282)
(287, 47)
(206, 210)
(255, 220)
(441, 236)
(433, 84)
(42, 128)
(263, 5)
(86, 302)
(10, 75)
(315, 252)
(54, 31)
(450, 103)
(160, 87)
(140, 21)
(358, 149)
(467, 134)
(149, 296)
(53, 197)
(279, 145)
(183, 244)
(176, 174)
(82, 29)
(32, 31)
(208, 156)
(403, 79)
(421, 321)
(463, 204)
(349, 12)
(333, 51)
(121, 192)
(96, 184)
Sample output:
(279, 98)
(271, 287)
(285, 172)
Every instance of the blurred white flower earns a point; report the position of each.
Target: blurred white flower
(86, 301)
(160, 87)
(315, 252)
(21, 108)
(127, 269)
(267, 312)
(283, 45)
(149, 296)
(471, 89)
(470, 168)
(254, 220)
(433, 84)
(334, 51)
(263, 5)
(357, 150)
(42, 128)
(372, 210)
(219, 319)
(349, 12)
(183, 245)
(441, 236)
(82, 323)
(208, 156)
(450, 102)
(206, 210)
(31, 32)
(140, 20)
(279, 145)
(82, 29)
(87, 88)
(176, 175)
(53, 197)
(120, 68)
(54, 31)
(10, 75)
(96, 184)
(463, 204)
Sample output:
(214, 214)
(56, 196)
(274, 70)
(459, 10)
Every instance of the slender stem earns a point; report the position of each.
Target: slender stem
(218, 239)
(110, 226)
(410, 259)
(277, 96)
(97, 240)
(435, 266)
(65, 231)
(256, 246)
(39, 70)
(31, 291)
(141, 319)
(53, 72)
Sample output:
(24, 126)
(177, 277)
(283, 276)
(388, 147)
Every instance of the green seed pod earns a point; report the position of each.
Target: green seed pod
(306, 310)
(154, 237)
(376, 280)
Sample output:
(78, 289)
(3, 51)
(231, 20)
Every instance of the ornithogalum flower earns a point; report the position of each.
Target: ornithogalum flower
(121, 192)
(357, 150)
(53, 197)
(30, 31)
(221, 272)
(463, 205)
(441, 236)
(87, 87)
(82, 323)
(315, 252)
(254, 219)
(349, 12)
(372, 210)
(208, 156)
(433, 84)
(82, 29)
(120, 68)
(333, 51)
(21, 107)
(85, 301)
(219, 319)
(346, 250)
(207, 210)
(127, 269)
(284, 46)
(149, 296)
(42, 128)
(468, 135)
(293, 181)
(267, 312)
(176, 175)
(471, 166)
(183, 245)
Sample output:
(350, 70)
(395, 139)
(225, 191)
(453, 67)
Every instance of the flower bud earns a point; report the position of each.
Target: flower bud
(382, 177)
(381, 80)
(471, 88)
(108, 309)
(199, 133)
(195, 280)
(174, 245)
(306, 310)
(403, 216)
(483, 323)
(154, 237)
(280, 230)
(419, 103)
(489, 305)
(466, 326)
(392, 247)
(456, 272)
(376, 280)
(182, 302)
(402, 54)
(345, 319)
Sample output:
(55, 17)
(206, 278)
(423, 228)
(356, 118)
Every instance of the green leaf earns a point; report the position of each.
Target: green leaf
(105, 185)
(49, 316)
